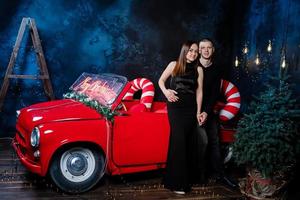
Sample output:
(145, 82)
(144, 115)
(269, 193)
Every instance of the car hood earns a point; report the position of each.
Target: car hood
(58, 110)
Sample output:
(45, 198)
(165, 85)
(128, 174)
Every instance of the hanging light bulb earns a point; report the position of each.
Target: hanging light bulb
(236, 62)
(269, 48)
(245, 49)
(283, 62)
(257, 61)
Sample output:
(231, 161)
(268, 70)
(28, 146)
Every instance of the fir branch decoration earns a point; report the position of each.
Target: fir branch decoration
(106, 112)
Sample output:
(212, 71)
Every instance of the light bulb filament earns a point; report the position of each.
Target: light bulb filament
(257, 61)
(283, 64)
(236, 62)
(269, 48)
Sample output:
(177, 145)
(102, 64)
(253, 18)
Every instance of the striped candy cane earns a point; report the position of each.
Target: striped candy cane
(233, 99)
(147, 88)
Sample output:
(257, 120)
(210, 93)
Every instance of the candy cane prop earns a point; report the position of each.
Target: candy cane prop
(233, 99)
(147, 88)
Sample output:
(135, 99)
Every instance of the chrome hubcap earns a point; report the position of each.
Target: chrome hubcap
(77, 164)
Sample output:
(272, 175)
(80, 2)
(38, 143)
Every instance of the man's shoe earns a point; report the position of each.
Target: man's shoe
(227, 182)
(179, 192)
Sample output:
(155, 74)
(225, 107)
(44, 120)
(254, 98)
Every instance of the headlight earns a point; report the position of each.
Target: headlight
(35, 137)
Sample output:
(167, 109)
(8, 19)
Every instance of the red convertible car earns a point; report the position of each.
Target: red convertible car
(93, 131)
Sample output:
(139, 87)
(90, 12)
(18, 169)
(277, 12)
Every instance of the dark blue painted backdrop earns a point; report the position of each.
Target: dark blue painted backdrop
(261, 21)
(137, 39)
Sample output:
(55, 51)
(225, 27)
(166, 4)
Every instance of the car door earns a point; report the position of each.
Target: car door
(140, 139)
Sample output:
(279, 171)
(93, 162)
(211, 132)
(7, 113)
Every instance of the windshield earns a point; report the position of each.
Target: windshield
(104, 88)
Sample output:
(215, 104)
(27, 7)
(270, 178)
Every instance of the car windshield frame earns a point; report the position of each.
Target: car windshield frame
(104, 88)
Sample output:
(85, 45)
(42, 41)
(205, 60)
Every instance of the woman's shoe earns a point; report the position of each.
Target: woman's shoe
(179, 192)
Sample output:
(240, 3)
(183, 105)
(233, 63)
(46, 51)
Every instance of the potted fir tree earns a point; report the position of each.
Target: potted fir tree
(267, 140)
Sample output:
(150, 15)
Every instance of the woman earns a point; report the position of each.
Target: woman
(184, 99)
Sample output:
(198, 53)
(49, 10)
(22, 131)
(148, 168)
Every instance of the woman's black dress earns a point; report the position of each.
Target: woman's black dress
(183, 121)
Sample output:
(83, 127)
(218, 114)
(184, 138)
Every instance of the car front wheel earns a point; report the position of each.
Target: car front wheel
(77, 169)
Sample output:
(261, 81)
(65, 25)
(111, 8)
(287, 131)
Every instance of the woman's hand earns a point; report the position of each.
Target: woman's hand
(202, 117)
(199, 119)
(171, 95)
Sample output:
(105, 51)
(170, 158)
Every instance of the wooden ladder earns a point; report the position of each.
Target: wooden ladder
(43, 75)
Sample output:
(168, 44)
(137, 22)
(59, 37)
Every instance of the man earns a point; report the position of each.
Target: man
(211, 91)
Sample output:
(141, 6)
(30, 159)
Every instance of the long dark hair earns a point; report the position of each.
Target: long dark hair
(180, 66)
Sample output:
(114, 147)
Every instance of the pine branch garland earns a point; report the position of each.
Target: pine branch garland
(106, 112)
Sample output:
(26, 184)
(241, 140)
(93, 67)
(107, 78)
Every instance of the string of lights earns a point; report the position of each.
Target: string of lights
(259, 62)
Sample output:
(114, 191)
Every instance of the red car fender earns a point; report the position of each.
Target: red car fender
(55, 136)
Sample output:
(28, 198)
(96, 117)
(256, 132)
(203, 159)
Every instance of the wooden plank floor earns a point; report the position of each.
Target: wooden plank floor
(17, 183)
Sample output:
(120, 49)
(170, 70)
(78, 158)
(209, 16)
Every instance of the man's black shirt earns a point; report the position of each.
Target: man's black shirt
(211, 87)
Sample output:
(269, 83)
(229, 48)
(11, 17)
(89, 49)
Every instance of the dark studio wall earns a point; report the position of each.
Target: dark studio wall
(133, 38)
(276, 21)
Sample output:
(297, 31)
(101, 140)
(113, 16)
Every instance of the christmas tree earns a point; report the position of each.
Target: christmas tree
(267, 138)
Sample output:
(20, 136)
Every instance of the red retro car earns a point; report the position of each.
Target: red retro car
(77, 141)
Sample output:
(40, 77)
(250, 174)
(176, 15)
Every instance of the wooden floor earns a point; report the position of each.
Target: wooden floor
(17, 183)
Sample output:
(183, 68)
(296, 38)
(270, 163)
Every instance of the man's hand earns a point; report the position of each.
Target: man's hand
(202, 118)
(199, 119)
